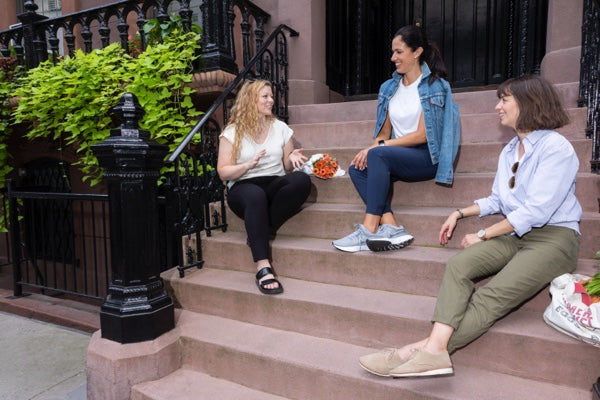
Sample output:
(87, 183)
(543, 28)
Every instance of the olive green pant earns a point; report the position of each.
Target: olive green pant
(522, 267)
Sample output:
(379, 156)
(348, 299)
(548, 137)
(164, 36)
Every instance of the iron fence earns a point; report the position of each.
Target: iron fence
(59, 242)
(39, 38)
(5, 257)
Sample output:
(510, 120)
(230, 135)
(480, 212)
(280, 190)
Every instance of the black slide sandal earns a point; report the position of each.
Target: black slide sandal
(261, 285)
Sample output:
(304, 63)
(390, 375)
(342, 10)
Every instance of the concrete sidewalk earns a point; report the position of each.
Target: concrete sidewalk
(41, 361)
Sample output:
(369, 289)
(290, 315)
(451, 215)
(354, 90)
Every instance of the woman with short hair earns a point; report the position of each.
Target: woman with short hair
(538, 240)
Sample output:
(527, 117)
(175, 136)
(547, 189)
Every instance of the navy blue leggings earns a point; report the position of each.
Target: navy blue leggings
(265, 203)
(387, 164)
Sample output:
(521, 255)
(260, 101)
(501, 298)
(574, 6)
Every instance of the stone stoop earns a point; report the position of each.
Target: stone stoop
(294, 365)
(232, 342)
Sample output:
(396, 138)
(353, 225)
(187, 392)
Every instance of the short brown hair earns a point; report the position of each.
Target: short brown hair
(539, 104)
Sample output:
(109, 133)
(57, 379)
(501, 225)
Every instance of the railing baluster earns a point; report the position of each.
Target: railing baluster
(15, 239)
(53, 41)
(122, 27)
(104, 31)
(70, 40)
(86, 34)
(589, 86)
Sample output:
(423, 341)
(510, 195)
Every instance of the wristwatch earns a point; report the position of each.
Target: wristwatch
(381, 142)
(481, 234)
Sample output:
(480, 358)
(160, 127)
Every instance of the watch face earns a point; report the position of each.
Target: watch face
(481, 234)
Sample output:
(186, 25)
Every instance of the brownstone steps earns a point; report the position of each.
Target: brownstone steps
(472, 157)
(475, 128)
(299, 366)
(335, 220)
(234, 342)
(186, 384)
(476, 102)
(416, 270)
(465, 189)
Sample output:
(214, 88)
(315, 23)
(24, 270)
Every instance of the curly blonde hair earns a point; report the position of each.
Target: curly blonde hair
(244, 114)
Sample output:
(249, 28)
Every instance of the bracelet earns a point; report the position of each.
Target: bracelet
(461, 213)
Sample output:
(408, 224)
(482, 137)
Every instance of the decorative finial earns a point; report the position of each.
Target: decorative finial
(127, 114)
(30, 6)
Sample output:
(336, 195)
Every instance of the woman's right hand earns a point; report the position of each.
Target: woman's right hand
(256, 159)
(360, 160)
(228, 170)
(447, 229)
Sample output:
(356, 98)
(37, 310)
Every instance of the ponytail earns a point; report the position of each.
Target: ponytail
(436, 63)
(414, 37)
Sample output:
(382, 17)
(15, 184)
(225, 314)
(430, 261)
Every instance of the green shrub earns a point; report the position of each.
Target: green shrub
(71, 102)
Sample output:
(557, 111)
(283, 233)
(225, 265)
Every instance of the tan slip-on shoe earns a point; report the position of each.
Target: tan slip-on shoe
(382, 362)
(423, 363)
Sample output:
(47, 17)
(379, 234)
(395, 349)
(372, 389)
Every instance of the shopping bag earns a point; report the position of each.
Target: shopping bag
(572, 311)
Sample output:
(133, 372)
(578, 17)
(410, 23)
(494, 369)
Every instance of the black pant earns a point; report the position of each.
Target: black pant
(265, 203)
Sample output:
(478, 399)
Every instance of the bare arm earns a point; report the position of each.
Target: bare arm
(501, 228)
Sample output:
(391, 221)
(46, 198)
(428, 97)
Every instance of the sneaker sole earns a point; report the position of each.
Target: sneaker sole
(373, 372)
(387, 245)
(433, 372)
(351, 249)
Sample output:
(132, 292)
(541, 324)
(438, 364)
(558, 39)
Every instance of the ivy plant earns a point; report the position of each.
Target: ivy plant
(71, 102)
(9, 73)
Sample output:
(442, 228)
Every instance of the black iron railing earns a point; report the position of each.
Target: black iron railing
(589, 87)
(39, 37)
(192, 200)
(195, 195)
(5, 254)
(73, 260)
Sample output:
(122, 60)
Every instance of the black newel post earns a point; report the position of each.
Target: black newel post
(35, 51)
(137, 307)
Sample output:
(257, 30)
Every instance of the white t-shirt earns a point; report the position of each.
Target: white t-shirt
(272, 162)
(405, 109)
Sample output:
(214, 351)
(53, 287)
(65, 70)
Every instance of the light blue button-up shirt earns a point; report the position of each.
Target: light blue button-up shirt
(544, 191)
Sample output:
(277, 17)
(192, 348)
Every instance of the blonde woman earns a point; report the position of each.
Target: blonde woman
(255, 152)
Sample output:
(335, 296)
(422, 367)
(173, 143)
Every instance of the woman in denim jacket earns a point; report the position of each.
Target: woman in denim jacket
(416, 139)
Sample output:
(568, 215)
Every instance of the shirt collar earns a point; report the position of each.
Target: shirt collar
(530, 139)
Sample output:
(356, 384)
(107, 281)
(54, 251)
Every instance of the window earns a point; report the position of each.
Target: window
(54, 5)
(49, 8)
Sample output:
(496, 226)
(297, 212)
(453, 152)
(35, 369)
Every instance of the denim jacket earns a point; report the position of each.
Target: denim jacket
(440, 113)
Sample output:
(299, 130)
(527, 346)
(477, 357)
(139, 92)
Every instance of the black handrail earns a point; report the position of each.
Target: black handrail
(223, 96)
(589, 85)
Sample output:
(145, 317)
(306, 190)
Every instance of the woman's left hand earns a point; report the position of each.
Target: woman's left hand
(297, 158)
(469, 239)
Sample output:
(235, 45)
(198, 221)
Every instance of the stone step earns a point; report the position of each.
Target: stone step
(477, 102)
(186, 384)
(335, 220)
(472, 157)
(465, 188)
(475, 128)
(414, 270)
(302, 366)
